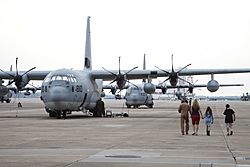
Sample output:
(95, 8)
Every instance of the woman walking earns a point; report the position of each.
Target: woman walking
(196, 115)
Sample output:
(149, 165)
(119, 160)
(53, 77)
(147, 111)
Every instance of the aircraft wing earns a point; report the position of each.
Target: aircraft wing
(32, 75)
(136, 74)
(221, 85)
(114, 87)
(187, 72)
(95, 74)
(139, 74)
(33, 89)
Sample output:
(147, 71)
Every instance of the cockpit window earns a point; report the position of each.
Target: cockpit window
(68, 78)
(135, 89)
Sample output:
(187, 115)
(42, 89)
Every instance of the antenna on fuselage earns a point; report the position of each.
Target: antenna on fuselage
(88, 61)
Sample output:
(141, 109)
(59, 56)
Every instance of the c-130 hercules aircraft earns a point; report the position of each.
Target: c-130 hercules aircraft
(66, 90)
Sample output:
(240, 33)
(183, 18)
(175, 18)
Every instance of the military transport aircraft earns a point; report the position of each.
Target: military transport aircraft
(5, 94)
(67, 90)
(20, 82)
(135, 94)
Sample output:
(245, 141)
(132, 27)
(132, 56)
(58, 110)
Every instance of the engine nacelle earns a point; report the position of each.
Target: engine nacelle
(113, 90)
(149, 88)
(164, 90)
(213, 85)
(191, 89)
(27, 93)
(103, 94)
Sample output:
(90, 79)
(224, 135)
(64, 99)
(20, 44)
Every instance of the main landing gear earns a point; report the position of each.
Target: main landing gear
(61, 114)
(56, 114)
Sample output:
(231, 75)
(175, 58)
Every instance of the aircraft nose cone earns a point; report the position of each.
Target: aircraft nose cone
(58, 93)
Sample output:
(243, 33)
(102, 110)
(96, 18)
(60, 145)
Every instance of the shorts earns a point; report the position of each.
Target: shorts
(195, 119)
(229, 125)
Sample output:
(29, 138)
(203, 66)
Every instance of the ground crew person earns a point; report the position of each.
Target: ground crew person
(184, 109)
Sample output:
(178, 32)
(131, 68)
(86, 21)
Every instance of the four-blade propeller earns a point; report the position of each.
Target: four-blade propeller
(120, 78)
(17, 78)
(174, 76)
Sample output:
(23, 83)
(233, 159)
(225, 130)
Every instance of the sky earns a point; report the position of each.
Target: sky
(50, 34)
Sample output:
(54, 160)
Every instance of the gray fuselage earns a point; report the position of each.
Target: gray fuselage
(69, 90)
(135, 96)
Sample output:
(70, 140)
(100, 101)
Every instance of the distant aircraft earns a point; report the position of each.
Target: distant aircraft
(5, 94)
(245, 97)
(180, 95)
(20, 82)
(212, 85)
(136, 96)
(66, 90)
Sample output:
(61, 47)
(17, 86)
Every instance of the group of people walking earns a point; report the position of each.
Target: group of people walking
(194, 110)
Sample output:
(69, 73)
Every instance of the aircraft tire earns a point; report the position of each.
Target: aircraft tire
(64, 114)
(52, 114)
(136, 106)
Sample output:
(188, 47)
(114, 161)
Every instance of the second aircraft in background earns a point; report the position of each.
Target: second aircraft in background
(136, 96)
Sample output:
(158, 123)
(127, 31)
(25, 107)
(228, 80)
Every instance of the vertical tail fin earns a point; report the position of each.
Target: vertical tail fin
(144, 62)
(144, 67)
(88, 61)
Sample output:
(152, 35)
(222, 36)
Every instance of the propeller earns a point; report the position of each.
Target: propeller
(120, 78)
(174, 76)
(17, 78)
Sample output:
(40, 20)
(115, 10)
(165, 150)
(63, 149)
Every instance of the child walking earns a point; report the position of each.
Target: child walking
(209, 119)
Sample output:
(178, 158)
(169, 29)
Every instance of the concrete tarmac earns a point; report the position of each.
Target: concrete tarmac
(148, 137)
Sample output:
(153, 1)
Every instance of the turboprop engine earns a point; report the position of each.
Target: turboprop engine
(191, 89)
(149, 88)
(213, 85)
(27, 93)
(164, 90)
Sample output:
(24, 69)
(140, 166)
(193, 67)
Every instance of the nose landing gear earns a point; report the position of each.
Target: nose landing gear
(61, 114)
